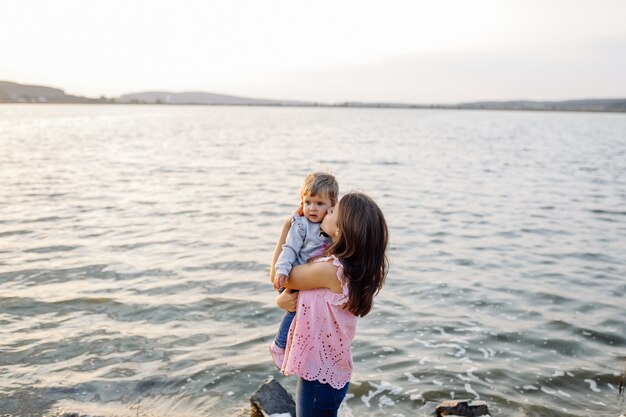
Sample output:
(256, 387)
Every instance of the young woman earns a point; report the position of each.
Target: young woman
(334, 291)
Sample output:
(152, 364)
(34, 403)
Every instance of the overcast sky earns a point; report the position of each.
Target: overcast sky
(413, 51)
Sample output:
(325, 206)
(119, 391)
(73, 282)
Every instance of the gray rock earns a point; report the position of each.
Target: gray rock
(465, 408)
(271, 398)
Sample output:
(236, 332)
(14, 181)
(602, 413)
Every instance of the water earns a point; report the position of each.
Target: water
(134, 243)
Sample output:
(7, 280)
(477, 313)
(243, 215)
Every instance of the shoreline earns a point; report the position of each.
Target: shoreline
(340, 105)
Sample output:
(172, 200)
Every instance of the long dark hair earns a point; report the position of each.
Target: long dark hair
(361, 245)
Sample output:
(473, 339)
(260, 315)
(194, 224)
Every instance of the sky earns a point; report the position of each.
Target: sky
(414, 51)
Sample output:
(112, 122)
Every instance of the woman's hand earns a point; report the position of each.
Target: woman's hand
(287, 300)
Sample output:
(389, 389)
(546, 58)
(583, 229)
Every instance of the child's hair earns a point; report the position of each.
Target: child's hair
(361, 245)
(320, 183)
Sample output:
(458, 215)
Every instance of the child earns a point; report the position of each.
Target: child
(333, 292)
(318, 194)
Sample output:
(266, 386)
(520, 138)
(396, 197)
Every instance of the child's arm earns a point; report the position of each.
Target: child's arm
(291, 248)
(314, 275)
(279, 247)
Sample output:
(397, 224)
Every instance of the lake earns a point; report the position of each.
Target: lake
(135, 242)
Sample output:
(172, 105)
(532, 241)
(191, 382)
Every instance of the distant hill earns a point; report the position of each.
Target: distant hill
(11, 92)
(199, 97)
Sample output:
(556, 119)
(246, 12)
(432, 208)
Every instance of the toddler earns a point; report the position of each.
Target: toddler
(305, 240)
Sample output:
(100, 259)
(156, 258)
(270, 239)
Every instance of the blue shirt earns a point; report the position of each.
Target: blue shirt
(304, 241)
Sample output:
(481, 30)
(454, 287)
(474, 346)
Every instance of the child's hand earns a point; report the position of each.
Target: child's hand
(280, 281)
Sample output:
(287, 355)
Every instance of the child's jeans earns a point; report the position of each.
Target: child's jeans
(283, 330)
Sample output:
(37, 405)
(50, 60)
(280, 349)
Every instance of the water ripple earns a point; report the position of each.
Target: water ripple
(135, 242)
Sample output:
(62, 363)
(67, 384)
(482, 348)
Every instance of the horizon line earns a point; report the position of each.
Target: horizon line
(324, 103)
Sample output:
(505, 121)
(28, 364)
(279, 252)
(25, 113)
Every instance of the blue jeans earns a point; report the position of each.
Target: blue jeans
(316, 399)
(283, 329)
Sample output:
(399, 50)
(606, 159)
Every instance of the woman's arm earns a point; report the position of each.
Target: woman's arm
(314, 275)
(279, 247)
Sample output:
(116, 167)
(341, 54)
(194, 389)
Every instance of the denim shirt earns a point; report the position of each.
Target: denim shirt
(304, 241)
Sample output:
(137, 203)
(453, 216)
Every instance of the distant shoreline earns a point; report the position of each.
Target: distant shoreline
(14, 93)
(361, 106)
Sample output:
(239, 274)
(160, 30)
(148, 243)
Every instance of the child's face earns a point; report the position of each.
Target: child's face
(315, 207)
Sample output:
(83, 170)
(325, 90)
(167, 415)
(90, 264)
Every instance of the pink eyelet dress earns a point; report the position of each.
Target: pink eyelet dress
(318, 345)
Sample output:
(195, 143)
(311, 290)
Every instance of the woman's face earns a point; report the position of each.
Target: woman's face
(329, 223)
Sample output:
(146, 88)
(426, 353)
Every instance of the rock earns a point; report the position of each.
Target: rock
(465, 408)
(272, 399)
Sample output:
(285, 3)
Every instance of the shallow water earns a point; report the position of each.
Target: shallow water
(134, 243)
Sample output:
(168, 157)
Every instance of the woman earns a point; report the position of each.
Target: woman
(333, 291)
